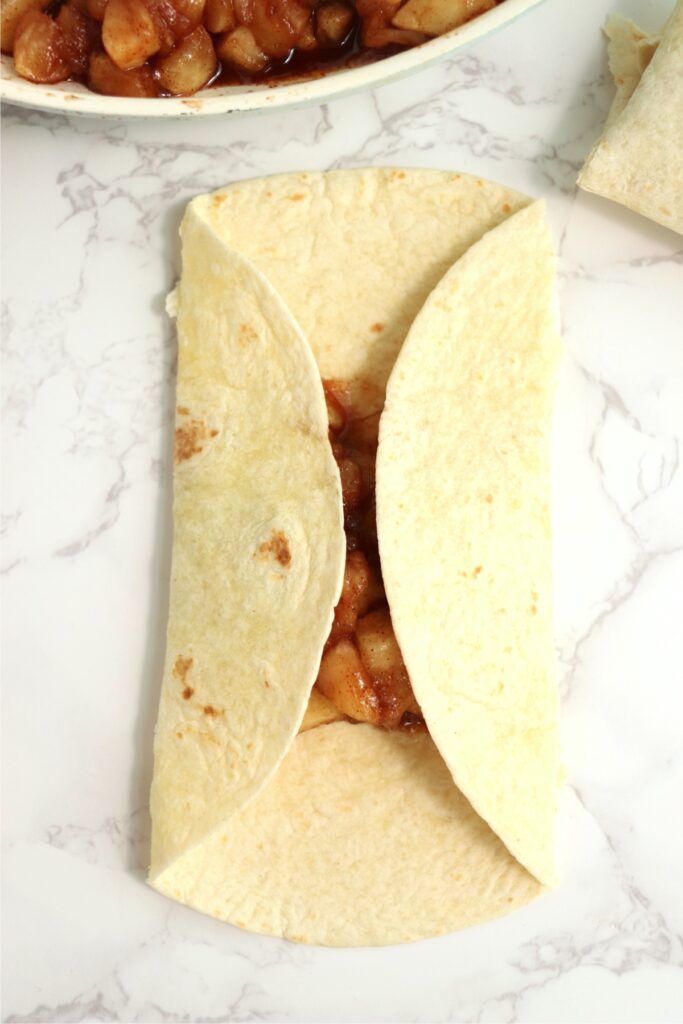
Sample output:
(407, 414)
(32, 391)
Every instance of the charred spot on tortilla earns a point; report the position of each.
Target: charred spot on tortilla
(377, 328)
(362, 670)
(180, 670)
(277, 547)
(212, 712)
(190, 439)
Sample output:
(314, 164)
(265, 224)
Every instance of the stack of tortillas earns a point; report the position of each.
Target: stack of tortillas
(638, 161)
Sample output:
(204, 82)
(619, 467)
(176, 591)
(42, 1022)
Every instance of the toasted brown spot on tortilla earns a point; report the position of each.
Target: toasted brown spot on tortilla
(266, 684)
(217, 201)
(507, 208)
(181, 667)
(477, 570)
(533, 609)
(179, 735)
(183, 410)
(278, 547)
(188, 439)
(187, 692)
(212, 712)
(296, 197)
(377, 328)
(489, 498)
(247, 333)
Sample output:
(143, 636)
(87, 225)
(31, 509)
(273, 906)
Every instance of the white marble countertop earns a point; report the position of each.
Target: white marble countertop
(90, 217)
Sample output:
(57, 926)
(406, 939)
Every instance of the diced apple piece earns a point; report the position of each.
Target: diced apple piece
(38, 49)
(343, 680)
(75, 35)
(383, 660)
(240, 49)
(377, 644)
(277, 25)
(333, 22)
(434, 17)
(190, 65)
(106, 78)
(377, 37)
(190, 14)
(129, 33)
(11, 13)
(354, 596)
(219, 15)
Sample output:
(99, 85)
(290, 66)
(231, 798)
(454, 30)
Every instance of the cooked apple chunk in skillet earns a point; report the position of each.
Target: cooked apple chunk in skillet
(181, 46)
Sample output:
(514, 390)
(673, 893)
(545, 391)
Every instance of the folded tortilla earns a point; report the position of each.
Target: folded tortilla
(629, 52)
(464, 528)
(258, 550)
(638, 161)
(346, 834)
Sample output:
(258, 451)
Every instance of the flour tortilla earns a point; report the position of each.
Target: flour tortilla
(258, 550)
(629, 51)
(638, 161)
(361, 839)
(360, 836)
(354, 254)
(464, 528)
